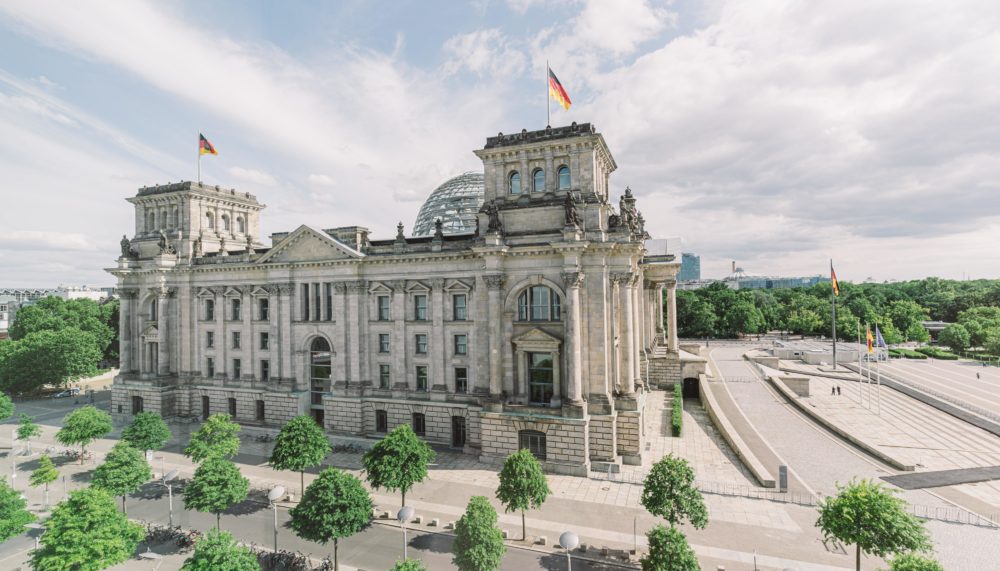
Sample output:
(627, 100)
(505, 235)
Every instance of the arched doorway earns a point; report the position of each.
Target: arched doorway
(690, 388)
(320, 371)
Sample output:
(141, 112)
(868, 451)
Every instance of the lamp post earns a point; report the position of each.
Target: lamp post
(170, 493)
(148, 555)
(569, 541)
(272, 497)
(34, 525)
(404, 515)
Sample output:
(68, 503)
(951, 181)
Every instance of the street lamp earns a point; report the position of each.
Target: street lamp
(569, 541)
(34, 525)
(272, 497)
(170, 493)
(148, 555)
(404, 515)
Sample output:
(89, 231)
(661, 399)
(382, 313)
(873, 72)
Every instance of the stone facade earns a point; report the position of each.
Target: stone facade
(542, 327)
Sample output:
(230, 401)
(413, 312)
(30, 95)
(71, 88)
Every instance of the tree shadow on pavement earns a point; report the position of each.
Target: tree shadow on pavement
(557, 562)
(432, 542)
(246, 507)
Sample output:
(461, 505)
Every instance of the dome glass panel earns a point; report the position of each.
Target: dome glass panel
(456, 203)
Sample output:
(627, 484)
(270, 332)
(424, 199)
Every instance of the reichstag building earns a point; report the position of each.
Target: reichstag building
(523, 311)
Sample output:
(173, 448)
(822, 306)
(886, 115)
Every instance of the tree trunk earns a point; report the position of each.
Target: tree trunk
(46, 496)
(302, 484)
(336, 562)
(218, 516)
(123, 506)
(857, 558)
(524, 528)
(404, 499)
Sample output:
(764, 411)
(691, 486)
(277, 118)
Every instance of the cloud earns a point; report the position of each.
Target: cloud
(484, 52)
(38, 240)
(321, 180)
(253, 176)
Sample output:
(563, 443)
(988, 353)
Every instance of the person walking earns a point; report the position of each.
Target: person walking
(838, 390)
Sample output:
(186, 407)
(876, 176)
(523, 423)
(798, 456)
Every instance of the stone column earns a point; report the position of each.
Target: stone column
(283, 314)
(551, 176)
(637, 324)
(521, 361)
(672, 315)
(354, 317)
(221, 343)
(626, 336)
(526, 178)
(494, 283)
(660, 325)
(557, 394)
(249, 342)
(125, 312)
(163, 326)
(341, 333)
(440, 379)
(398, 349)
(574, 347)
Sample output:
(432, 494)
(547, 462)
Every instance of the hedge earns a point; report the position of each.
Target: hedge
(677, 416)
(937, 353)
(906, 353)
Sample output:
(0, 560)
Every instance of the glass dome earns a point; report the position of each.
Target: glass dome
(455, 202)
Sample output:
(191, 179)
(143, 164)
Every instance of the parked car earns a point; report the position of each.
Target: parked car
(67, 393)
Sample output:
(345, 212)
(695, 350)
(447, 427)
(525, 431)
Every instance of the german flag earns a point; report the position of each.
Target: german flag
(871, 340)
(557, 92)
(833, 280)
(204, 147)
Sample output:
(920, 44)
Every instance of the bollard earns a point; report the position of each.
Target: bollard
(542, 540)
(418, 519)
(434, 522)
(450, 525)
(506, 534)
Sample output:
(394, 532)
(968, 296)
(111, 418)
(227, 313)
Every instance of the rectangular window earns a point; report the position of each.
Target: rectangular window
(210, 367)
(384, 377)
(421, 345)
(381, 421)
(461, 380)
(237, 339)
(305, 302)
(265, 370)
(420, 307)
(260, 411)
(206, 409)
(209, 310)
(317, 307)
(419, 424)
(459, 308)
(235, 306)
(461, 344)
(421, 377)
(209, 339)
(383, 342)
(264, 309)
(540, 378)
(533, 441)
(265, 340)
(136, 405)
(232, 407)
(236, 368)
(383, 308)
(328, 290)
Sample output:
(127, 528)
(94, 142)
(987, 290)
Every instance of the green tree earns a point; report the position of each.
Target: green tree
(991, 340)
(218, 551)
(522, 485)
(55, 314)
(82, 426)
(301, 444)
(14, 514)
(27, 429)
(917, 332)
(905, 314)
(43, 475)
(86, 533)
(914, 562)
(6, 405)
(742, 318)
(408, 564)
(123, 472)
(335, 505)
(873, 519)
(398, 461)
(803, 321)
(668, 551)
(695, 316)
(669, 492)
(147, 431)
(47, 358)
(217, 436)
(217, 485)
(955, 337)
(479, 542)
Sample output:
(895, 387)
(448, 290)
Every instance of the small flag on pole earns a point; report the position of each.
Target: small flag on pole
(204, 147)
(833, 280)
(879, 340)
(871, 340)
(557, 92)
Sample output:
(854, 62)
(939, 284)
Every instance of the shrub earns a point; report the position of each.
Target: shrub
(906, 354)
(677, 416)
(937, 353)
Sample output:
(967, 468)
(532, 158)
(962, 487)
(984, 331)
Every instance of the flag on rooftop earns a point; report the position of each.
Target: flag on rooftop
(204, 147)
(557, 92)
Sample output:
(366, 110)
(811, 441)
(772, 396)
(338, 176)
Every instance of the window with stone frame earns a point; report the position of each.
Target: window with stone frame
(564, 180)
(461, 344)
(420, 307)
(533, 441)
(461, 380)
(209, 310)
(236, 368)
(235, 310)
(381, 421)
(384, 343)
(421, 377)
(538, 181)
(265, 370)
(232, 407)
(459, 307)
(538, 303)
(383, 312)
(264, 309)
(237, 339)
(420, 346)
(209, 339)
(419, 424)
(136, 404)
(260, 411)
(384, 376)
(514, 182)
(153, 307)
(210, 367)
(265, 341)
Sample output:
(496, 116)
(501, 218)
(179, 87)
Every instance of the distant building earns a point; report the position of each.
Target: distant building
(7, 309)
(739, 279)
(82, 292)
(27, 294)
(690, 268)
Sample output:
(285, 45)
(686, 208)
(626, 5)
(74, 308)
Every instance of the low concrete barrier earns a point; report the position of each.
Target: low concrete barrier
(732, 436)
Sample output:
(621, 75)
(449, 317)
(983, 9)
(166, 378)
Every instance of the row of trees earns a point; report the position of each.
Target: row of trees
(55, 341)
(898, 308)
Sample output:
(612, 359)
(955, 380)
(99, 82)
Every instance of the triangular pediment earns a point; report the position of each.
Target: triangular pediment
(260, 292)
(206, 293)
(415, 286)
(379, 287)
(232, 292)
(536, 337)
(307, 244)
(457, 286)
(151, 332)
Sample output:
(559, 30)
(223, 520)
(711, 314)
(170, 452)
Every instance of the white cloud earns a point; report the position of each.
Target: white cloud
(321, 180)
(253, 176)
(484, 52)
(38, 240)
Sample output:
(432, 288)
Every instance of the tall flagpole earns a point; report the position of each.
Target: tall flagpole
(548, 104)
(199, 158)
(833, 305)
(860, 376)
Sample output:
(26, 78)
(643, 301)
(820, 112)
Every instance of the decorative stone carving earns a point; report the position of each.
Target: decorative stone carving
(130, 293)
(400, 237)
(623, 278)
(285, 288)
(339, 287)
(436, 283)
(495, 225)
(573, 219)
(165, 247)
(126, 247)
(222, 246)
(199, 249)
(249, 244)
(356, 286)
(572, 279)
(438, 229)
(494, 281)
(398, 286)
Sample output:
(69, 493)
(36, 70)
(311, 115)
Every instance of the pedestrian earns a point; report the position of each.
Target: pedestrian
(838, 390)
(833, 391)
(977, 375)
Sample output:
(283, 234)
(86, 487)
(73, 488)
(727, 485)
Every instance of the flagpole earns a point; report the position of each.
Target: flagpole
(833, 305)
(548, 104)
(199, 158)
(860, 377)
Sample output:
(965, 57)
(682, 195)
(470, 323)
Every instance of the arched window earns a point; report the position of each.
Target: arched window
(538, 303)
(173, 218)
(225, 222)
(538, 181)
(209, 220)
(320, 369)
(151, 221)
(241, 225)
(515, 182)
(563, 177)
(533, 441)
(152, 309)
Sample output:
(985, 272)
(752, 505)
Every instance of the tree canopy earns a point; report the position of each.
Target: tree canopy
(14, 514)
(479, 544)
(301, 444)
(99, 320)
(217, 485)
(86, 533)
(334, 506)
(398, 461)
(914, 562)
(6, 406)
(218, 436)
(408, 564)
(43, 475)
(83, 425)
(669, 491)
(872, 518)
(218, 551)
(27, 428)
(522, 485)
(147, 431)
(668, 551)
(47, 358)
(123, 472)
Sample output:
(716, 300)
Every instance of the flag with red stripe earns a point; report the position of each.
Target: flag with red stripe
(557, 92)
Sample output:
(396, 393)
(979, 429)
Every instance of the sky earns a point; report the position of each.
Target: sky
(780, 134)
